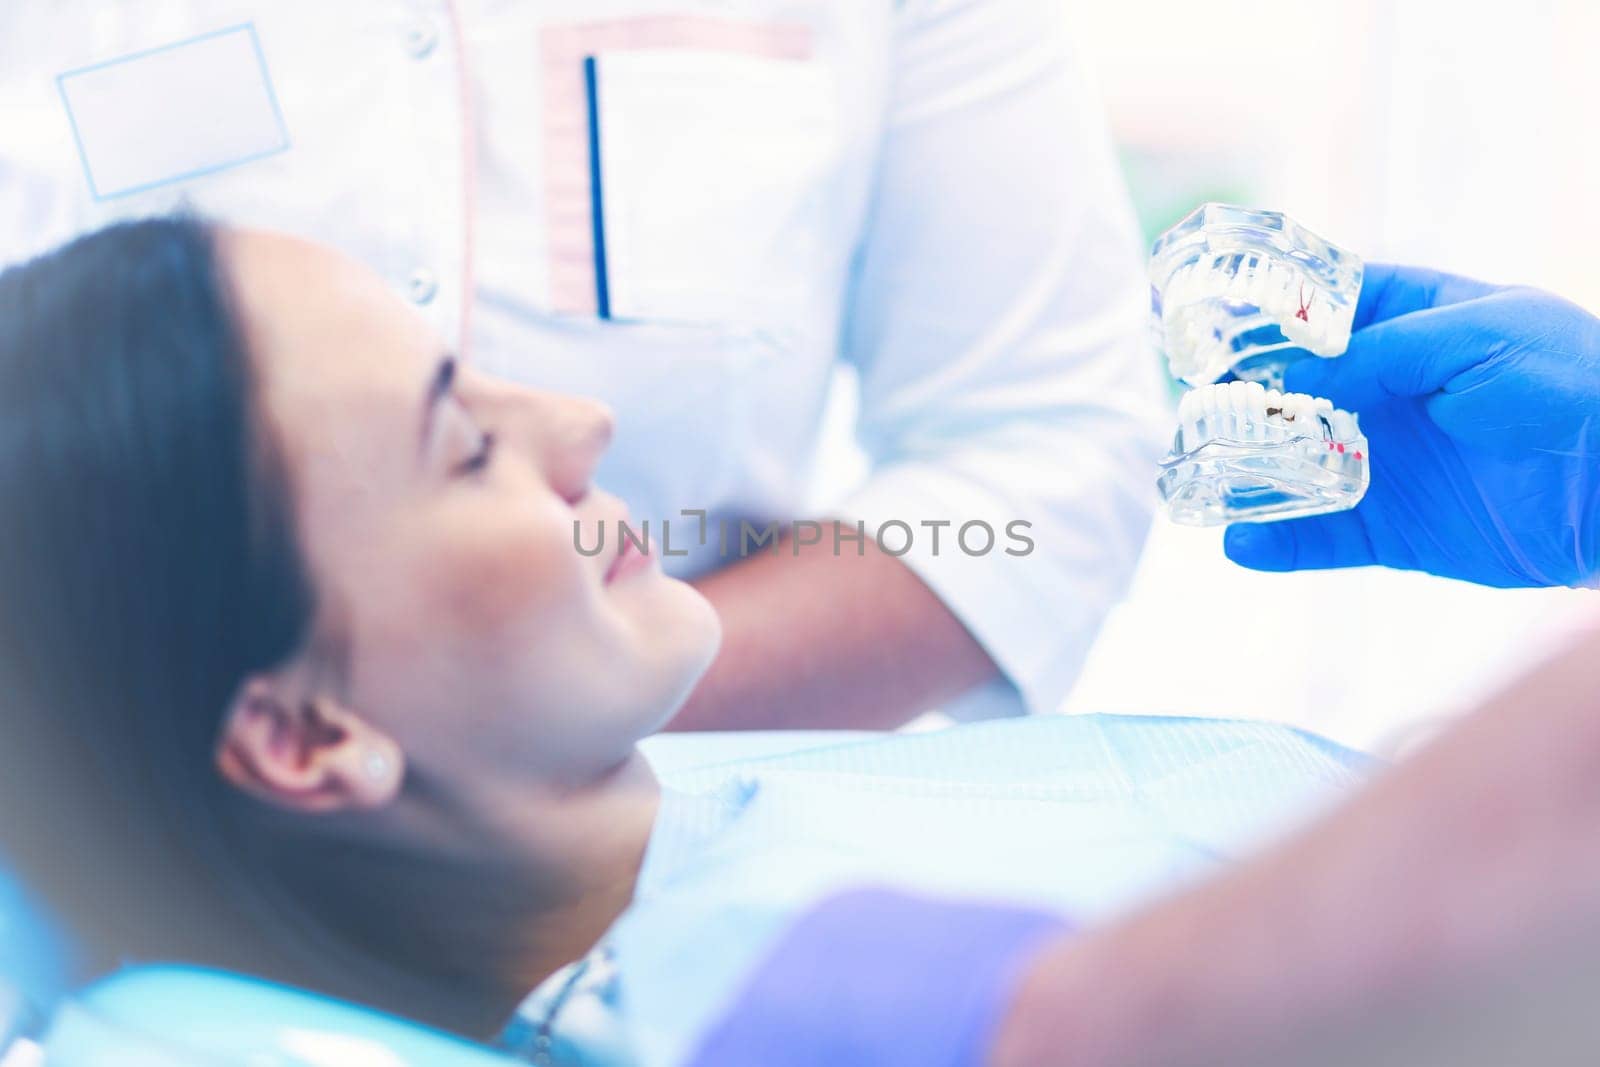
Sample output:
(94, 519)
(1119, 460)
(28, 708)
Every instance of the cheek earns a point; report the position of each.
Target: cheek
(501, 579)
(446, 607)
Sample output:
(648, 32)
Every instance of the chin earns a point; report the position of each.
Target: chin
(706, 628)
(690, 639)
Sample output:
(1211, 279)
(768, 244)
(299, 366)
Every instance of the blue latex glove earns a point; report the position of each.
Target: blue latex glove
(1482, 407)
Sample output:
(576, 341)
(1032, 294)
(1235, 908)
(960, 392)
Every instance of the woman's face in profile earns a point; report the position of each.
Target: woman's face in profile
(436, 511)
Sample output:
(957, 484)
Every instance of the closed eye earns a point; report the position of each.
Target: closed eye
(481, 456)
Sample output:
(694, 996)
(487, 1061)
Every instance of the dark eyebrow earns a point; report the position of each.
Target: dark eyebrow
(444, 376)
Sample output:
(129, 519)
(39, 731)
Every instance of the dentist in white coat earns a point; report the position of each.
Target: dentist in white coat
(694, 211)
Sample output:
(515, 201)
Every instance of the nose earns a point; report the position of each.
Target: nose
(574, 433)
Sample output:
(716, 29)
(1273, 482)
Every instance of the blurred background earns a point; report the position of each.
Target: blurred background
(1457, 135)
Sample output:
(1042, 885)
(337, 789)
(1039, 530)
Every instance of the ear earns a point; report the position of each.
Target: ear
(310, 756)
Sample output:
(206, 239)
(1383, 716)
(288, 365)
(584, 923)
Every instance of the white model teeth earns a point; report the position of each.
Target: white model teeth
(1284, 293)
(1248, 411)
(1344, 425)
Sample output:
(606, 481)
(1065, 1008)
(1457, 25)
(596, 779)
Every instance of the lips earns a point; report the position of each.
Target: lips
(629, 558)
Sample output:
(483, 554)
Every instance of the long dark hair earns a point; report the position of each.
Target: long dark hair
(148, 564)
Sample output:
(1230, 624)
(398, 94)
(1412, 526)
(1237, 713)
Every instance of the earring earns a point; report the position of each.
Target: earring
(376, 765)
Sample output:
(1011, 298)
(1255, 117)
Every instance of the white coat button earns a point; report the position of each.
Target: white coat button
(421, 286)
(421, 39)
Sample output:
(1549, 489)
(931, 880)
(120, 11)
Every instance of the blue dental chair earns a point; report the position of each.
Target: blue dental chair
(180, 1016)
(34, 963)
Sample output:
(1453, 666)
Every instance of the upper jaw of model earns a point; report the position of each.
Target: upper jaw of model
(1243, 290)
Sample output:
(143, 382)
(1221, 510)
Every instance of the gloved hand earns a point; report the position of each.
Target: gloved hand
(1482, 407)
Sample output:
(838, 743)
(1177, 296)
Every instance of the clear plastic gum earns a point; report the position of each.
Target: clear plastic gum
(1243, 453)
(1248, 291)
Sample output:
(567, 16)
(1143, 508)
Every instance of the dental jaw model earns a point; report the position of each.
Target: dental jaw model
(1241, 292)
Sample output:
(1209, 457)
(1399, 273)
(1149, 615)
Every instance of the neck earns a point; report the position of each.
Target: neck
(598, 844)
(552, 868)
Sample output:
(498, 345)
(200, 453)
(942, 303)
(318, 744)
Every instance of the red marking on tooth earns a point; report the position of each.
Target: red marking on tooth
(1304, 307)
(1358, 455)
(1340, 447)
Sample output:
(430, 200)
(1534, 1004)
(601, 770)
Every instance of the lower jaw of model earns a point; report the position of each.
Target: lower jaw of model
(1244, 452)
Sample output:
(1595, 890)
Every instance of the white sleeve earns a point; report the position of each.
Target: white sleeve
(996, 319)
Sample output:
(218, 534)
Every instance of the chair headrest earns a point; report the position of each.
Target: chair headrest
(34, 959)
(224, 1018)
